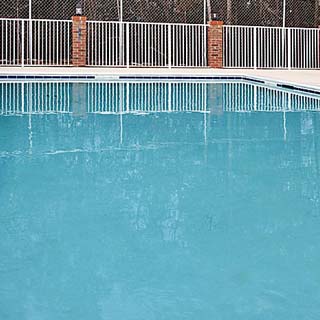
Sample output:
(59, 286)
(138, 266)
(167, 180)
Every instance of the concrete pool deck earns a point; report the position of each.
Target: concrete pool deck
(304, 78)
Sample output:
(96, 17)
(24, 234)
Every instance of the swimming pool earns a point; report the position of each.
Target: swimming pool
(158, 200)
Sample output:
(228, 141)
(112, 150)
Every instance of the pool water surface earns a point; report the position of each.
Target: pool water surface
(158, 201)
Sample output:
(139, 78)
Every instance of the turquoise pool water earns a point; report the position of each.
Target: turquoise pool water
(158, 201)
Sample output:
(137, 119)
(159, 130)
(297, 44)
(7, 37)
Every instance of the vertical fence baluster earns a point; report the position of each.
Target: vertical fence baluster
(289, 48)
(128, 44)
(255, 62)
(22, 43)
(169, 47)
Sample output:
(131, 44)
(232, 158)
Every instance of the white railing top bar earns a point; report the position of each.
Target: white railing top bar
(41, 20)
(268, 27)
(150, 23)
(160, 23)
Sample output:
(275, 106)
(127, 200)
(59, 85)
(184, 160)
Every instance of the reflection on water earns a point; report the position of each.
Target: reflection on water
(111, 197)
(133, 97)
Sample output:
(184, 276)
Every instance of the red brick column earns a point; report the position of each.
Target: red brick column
(215, 44)
(79, 41)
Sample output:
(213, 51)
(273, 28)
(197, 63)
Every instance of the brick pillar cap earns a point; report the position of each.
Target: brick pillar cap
(79, 18)
(215, 23)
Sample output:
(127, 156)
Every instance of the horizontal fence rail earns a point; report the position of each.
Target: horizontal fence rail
(133, 44)
(271, 48)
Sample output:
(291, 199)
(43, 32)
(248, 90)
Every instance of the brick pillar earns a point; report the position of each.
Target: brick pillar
(215, 44)
(79, 41)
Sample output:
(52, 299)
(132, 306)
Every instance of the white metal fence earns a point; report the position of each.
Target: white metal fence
(271, 48)
(35, 42)
(51, 42)
(134, 44)
(12, 44)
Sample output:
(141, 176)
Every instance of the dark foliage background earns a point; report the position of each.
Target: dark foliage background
(300, 13)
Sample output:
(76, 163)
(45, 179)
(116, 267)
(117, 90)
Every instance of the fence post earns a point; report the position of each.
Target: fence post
(215, 44)
(169, 46)
(127, 45)
(79, 41)
(255, 48)
(205, 48)
(289, 48)
(22, 43)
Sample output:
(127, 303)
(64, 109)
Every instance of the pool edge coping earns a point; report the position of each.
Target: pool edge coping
(262, 80)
